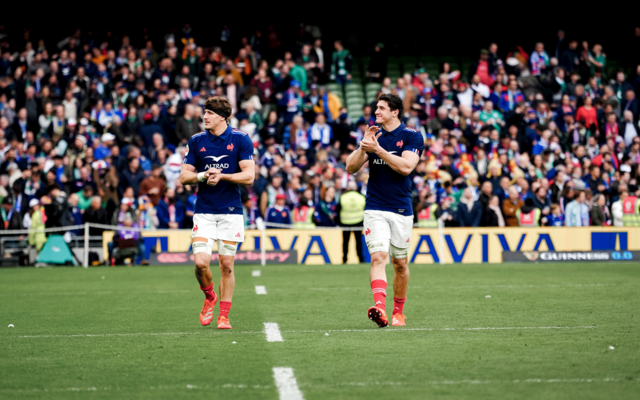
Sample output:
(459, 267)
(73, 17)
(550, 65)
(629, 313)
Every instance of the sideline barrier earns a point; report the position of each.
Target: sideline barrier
(459, 245)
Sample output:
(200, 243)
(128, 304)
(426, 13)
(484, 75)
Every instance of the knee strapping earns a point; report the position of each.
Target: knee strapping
(203, 247)
(398, 253)
(226, 249)
(376, 245)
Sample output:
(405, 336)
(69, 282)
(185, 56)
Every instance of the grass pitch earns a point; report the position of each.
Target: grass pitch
(104, 333)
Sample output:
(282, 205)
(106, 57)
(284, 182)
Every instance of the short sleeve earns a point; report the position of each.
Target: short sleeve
(190, 154)
(415, 143)
(246, 149)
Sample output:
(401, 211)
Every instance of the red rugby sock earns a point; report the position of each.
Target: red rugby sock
(398, 305)
(379, 289)
(208, 292)
(225, 307)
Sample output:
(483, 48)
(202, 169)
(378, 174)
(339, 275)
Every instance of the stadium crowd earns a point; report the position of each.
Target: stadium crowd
(96, 131)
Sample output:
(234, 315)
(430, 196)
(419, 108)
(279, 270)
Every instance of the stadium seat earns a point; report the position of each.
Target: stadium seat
(334, 88)
(371, 85)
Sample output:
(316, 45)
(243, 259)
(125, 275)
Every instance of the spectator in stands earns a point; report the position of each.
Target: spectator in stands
(187, 125)
(170, 211)
(469, 210)
(446, 213)
(320, 132)
(326, 212)
(341, 64)
(131, 177)
(155, 185)
(11, 220)
(278, 213)
(599, 213)
(127, 244)
(617, 209)
(577, 212)
(268, 197)
(492, 215)
(510, 206)
(96, 215)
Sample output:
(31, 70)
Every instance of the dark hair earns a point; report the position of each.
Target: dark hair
(395, 103)
(219, 105)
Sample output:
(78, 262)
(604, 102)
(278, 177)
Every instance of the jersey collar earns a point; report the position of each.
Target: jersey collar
(224, 135)
(396, 131)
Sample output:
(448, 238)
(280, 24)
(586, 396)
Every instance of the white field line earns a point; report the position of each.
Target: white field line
(363, 384)
(309, 331)
(486, 286)
(286, 383)
(365, 288)
(273, 332)
(255, 273)
(261, 290)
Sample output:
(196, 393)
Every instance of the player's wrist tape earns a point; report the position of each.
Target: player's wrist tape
(201, 177)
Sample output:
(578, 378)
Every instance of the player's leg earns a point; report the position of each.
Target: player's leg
(400, 285)
(226, 253)
(202, 245)
(377, 236)
(401, 227)
(230, 233)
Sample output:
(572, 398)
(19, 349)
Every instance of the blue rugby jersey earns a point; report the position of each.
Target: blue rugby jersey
(206, 150)
(388, 190)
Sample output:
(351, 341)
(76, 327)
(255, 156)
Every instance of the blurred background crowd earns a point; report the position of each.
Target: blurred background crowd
(93, 129)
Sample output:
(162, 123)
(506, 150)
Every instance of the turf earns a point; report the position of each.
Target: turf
(148, 342)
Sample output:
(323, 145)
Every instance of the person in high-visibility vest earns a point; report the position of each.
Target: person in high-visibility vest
(631, 211)
(303, 215)
(427, 215)
(528, 215)
(351, 213)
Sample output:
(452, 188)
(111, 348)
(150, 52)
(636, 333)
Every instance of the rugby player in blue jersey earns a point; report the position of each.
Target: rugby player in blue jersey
(393, 151)
(218, 160)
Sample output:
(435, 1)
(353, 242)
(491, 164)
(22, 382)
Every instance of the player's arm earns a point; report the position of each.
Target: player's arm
(359, 156)
(403, 165)
(189, 176)
(245, 177)
(356, 160)
(188, 171)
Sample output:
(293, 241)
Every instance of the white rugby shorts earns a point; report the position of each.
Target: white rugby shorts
(228, 227)
(383, 227)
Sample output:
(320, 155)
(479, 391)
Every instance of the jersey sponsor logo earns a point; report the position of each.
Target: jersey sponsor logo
(216, 166)
(400, 143)
(231, 208)
(216, 159)
(380, 161)
(202, 150)
(368, 231)
(230, 147)
(400, 210)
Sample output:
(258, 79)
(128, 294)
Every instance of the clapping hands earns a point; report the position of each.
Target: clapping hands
(369, 142)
